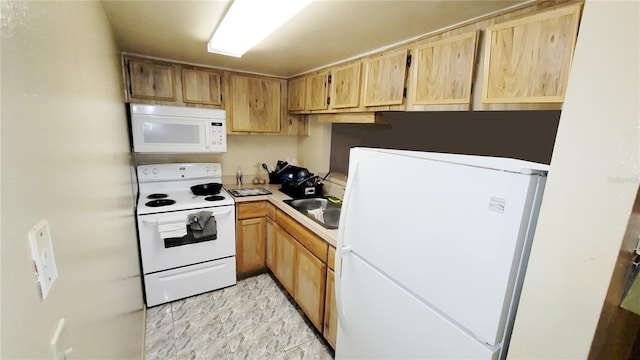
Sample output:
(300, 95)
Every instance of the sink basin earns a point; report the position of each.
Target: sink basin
(320, 210)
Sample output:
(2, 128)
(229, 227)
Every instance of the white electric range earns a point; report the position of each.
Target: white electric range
(187, 241)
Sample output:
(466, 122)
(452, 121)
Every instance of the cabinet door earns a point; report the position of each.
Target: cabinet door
(254, 105)
(385, 78)
(330, 331)
(250, 244)
(528, 59)
(317, 90)
(310, 280)
(297, 94)
(285, 249)
(444, 69)
(345, 86)
(201, 87)
(151, 81)
(270, 244)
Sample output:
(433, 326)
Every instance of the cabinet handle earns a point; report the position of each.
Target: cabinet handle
(341, 249)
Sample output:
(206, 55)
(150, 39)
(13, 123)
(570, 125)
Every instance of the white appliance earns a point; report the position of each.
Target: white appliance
(177, 262)
(433, 253)
(174, 129)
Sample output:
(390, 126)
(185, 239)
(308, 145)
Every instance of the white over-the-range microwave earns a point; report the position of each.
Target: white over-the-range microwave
(174, 129)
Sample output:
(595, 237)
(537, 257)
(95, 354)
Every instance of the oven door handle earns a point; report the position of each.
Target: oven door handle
(158, 220)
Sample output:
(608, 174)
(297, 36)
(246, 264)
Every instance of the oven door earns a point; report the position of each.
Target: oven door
(167, 241)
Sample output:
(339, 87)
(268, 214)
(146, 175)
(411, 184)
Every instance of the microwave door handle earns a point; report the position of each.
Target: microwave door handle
(207, 135)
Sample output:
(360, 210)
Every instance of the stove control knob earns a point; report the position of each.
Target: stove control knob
(145, 171)
(155, 171)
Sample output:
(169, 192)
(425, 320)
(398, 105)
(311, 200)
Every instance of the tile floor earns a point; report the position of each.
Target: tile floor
(255, 319)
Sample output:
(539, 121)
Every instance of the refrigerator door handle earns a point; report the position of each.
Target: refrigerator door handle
(341, 249)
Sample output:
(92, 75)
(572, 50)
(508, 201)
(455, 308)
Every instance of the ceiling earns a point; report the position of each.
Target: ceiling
(325, 32)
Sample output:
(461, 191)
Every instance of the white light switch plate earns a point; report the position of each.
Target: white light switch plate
(43, 259)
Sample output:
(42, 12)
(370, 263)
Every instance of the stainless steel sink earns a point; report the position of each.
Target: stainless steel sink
(320, 210)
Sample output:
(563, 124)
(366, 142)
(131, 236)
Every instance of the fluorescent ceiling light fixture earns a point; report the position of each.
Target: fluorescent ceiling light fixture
(249, 21)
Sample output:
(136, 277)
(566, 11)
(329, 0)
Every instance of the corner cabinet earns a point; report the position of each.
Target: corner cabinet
(528, 59)
(318, 91)
(443, 70)
(297, 257)
(309, 92)
(385, 78)
(151, 81)
(253, 104)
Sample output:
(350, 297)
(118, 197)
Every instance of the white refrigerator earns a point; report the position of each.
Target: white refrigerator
(433, 249)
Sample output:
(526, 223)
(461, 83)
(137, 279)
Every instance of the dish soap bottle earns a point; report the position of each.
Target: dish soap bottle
(239, 176)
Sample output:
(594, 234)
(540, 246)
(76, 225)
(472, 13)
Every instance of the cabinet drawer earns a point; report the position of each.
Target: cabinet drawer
(271, 211)
(310, 241)
(247, 210)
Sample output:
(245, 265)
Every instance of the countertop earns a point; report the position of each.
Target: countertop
(277, 198)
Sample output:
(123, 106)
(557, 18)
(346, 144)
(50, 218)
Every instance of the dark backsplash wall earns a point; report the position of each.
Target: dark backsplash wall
(526, 135)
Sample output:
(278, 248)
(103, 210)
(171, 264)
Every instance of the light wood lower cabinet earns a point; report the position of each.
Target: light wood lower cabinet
(270, 243)
(297, 258)
(250, 245)
(330, 331)
(284, 260)
(251, 233)
(310, 278)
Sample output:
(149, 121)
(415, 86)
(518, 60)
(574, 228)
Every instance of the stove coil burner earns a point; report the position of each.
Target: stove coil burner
(160, 202)
(214, 198)
(157, 196)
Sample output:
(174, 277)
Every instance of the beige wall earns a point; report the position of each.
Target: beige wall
(314, 150)
(65, 159)
(245, 151)
(242, 150)
(592, 183)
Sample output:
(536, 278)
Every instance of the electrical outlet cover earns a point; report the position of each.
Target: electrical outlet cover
(43, 258)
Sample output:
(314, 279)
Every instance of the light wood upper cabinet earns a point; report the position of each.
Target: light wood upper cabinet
(317, 91)
(443, 70)
(528, 59)
(309, 92)
(345, 86)
(297, 94)
(254, 104)
(201, 87)
(385, 78)
(152, 81)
